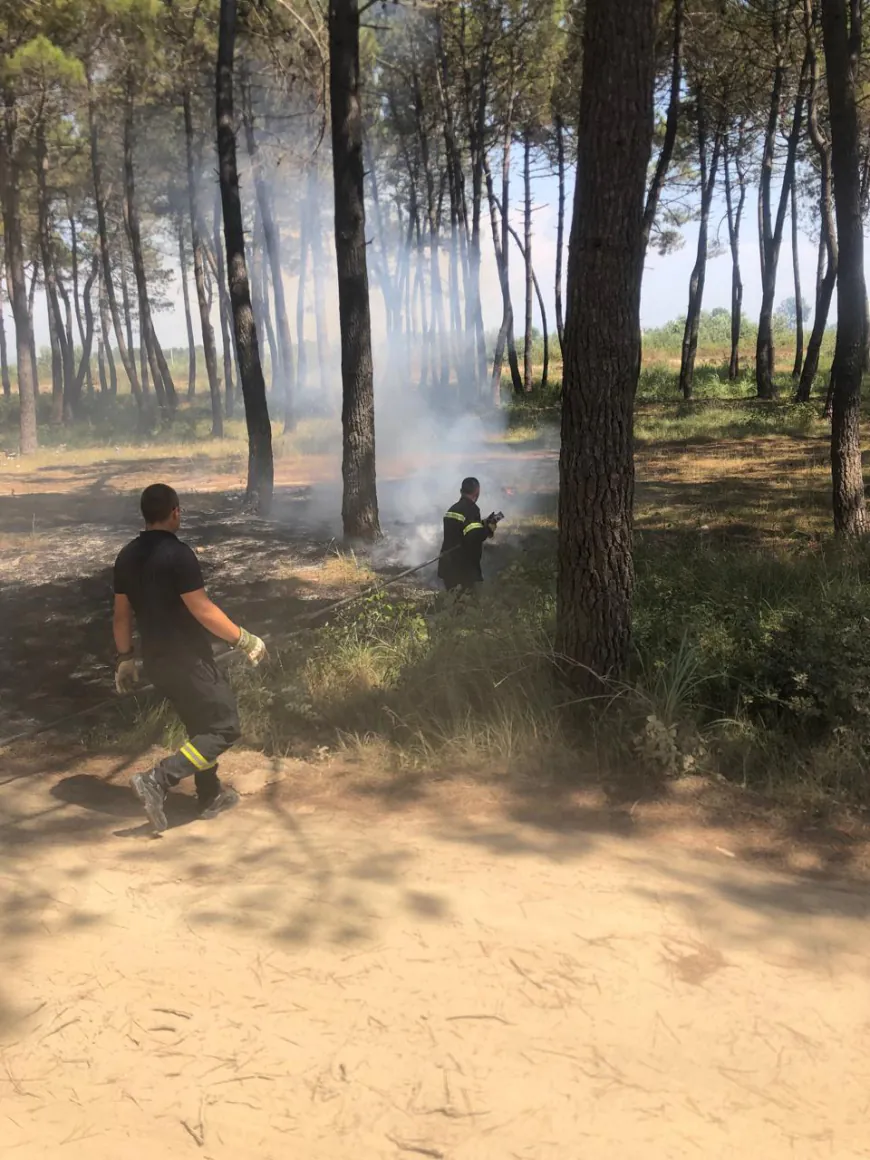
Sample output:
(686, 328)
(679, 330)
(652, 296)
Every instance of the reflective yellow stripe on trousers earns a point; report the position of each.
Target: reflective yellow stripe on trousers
(195, 758)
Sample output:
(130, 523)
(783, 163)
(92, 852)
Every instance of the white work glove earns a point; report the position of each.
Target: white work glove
(253, 648)
(126, 675)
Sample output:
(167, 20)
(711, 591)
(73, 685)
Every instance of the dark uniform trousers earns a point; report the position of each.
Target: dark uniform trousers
(207, 707)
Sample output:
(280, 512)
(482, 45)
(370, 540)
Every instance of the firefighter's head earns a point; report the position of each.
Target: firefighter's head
(471, 488)
(161, 508)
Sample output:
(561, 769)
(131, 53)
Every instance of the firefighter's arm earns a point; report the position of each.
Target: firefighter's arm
(122, 625)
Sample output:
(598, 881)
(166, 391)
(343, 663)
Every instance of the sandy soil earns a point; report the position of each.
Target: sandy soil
(300, 980)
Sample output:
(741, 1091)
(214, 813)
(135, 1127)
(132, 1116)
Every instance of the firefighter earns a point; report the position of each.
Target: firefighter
(158, 580)
(464, 535)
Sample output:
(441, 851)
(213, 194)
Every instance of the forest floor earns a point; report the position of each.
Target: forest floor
(355, 964)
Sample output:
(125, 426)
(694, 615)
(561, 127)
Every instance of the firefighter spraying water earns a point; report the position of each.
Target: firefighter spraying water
(465, 533)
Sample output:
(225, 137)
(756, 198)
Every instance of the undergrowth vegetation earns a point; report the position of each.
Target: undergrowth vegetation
(752, 665)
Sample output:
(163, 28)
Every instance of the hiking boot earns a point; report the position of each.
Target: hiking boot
(152, 795)
(225, 798)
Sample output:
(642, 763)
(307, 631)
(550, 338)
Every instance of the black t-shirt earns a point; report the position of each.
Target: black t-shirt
(153, 572)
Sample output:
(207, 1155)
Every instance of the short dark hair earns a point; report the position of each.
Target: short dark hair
(469, 484)
(158, 502)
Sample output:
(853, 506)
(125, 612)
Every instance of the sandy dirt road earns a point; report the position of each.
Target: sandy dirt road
(291, 980)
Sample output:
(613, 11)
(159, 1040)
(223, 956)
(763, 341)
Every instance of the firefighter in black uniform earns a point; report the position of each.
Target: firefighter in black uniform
(158, 580)
(464, 536)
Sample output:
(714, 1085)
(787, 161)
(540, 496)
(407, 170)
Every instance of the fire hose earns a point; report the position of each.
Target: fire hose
(221, 658)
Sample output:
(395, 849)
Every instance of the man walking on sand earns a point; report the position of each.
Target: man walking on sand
(158, 581)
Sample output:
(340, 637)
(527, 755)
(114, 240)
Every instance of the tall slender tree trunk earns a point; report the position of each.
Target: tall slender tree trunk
(302, 285)
(317, 275)
(530, 275)
(596, 467)
(61, 368)
(507, 305)
(272, 237)
(164, 387)
(508, 320)
(672, 121)
(77, 301)
(4, 353)
(560, 231)
(546, 368)
(261, 473)
(31, 297)
(699, 272)
(360, 502)
(208, 340)
(772, 231)
(228, 333)
(10, 191)
(798, 299)
(125, 350)
(841, 31)
(734, 214)
(188, 318)
(826, 279)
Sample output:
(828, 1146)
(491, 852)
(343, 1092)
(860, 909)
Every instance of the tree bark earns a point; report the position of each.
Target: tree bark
(560, 231)
(188, 318)
(699, 271)
(360, 502)
(841, 31)
(10, 190)
(286, 384)
(798, 300)
(605, 268)
(734, 216)
(124, 350)
(164, 387)
(77, 302)
(261, 474)
(208, 341)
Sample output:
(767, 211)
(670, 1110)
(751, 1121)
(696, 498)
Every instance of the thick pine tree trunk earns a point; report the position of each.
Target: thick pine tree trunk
(360, 502)
(841, 30)
(208, 341)
(125, 349)
(261, 475)
(605, 268)
(77, 299)
(10, 190)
